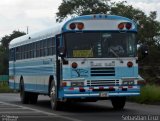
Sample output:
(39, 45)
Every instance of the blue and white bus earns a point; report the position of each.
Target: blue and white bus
(87, 58)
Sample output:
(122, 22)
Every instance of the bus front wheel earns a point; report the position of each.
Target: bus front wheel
(118, 103)
(55, 104)
(23, 94)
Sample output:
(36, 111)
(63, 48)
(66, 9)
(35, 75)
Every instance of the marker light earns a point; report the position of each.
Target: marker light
(121, 26)
(64, 84)
(128, 25)
(80, 26)
(72, 26)
(94, 16)
(74, 65)
(129, 64)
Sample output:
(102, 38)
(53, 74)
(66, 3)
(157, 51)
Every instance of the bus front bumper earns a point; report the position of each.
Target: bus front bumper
(100, 92)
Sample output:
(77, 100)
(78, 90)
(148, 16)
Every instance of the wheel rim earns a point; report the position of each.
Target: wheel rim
(52, 93)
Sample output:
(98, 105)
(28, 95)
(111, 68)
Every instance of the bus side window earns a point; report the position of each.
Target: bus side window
(45, 47)
(34, 49)
(37, 49)
(17, 53)
(49, 46)
(22, 53)
(11, 54)
(53, 46)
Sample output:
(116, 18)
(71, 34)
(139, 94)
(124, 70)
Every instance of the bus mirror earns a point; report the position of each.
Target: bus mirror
(61, 51)
(144, 50)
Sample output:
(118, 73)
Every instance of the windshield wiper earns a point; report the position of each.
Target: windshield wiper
(111, 50)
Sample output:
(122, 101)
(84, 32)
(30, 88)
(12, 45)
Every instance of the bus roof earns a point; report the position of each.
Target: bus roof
(29, 38)
(99, 19)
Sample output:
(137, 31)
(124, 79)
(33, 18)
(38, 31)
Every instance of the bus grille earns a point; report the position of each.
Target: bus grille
(102, 82)
(103, 71)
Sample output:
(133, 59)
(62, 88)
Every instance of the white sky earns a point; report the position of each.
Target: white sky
(40, 14)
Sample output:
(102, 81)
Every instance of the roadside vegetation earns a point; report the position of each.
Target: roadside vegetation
(4, 88)
(150, 94)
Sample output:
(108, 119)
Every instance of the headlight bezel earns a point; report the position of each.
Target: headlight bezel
(77, 84)
(128, 82)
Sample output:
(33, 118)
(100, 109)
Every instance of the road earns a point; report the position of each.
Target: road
(12, 110)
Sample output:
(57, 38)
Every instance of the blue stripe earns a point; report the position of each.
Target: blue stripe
(33, 67)
(31, 87)
(119, 73)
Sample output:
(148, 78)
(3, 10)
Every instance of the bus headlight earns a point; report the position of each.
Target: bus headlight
(128, 82)
(77, 84)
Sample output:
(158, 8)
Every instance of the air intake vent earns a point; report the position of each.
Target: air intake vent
(102, 82)
(103, 71)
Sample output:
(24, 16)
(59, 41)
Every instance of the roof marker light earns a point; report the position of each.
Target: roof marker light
(80, 26)
(128, 26)
(72, 26)
(121, 26)
(94, 16)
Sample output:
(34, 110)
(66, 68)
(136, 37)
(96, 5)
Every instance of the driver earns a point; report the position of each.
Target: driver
(116, 48)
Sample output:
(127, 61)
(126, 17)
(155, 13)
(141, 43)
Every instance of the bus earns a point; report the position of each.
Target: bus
(86, 58)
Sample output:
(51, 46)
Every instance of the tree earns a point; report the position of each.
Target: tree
(7, 38)
(4, 50)
(81, 7)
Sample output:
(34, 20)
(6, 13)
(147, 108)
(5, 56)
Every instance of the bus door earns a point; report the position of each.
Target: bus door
(58, 64)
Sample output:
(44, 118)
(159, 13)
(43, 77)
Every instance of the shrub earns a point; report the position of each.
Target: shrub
(149, 94)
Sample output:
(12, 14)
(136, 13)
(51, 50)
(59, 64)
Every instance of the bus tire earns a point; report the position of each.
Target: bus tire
(33, 97)
(23, 94)
(55, 104)
(118, 103)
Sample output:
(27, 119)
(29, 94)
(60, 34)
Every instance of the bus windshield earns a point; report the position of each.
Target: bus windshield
(100, 45)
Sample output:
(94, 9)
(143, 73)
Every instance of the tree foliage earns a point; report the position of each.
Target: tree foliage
(4, 51)
(81, 7)
(7, 38)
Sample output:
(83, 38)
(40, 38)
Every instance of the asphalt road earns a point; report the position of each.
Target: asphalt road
(12, 110)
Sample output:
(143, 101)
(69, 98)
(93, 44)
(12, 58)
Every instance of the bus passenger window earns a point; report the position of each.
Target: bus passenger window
(37, 49)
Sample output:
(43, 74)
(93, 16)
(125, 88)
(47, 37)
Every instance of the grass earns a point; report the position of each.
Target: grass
(4, 88)
(150, 94)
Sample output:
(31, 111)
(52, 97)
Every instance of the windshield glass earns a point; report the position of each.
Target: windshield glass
(101, 45)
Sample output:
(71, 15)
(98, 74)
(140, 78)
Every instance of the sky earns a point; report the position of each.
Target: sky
(41, 14)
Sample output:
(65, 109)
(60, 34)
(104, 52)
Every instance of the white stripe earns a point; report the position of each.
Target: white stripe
(96, 94)
(47, 65)
(119, 94)
(39, 111)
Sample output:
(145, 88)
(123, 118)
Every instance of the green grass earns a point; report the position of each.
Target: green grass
(4, 88)
(150, 94)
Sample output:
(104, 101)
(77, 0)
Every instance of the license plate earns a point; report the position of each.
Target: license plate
(103, 94)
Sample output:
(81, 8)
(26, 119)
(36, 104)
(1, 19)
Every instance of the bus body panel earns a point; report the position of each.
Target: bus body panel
(101, 77)
(35, 73)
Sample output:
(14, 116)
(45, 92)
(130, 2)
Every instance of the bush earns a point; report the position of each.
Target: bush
(149, 94)
(4, 88)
